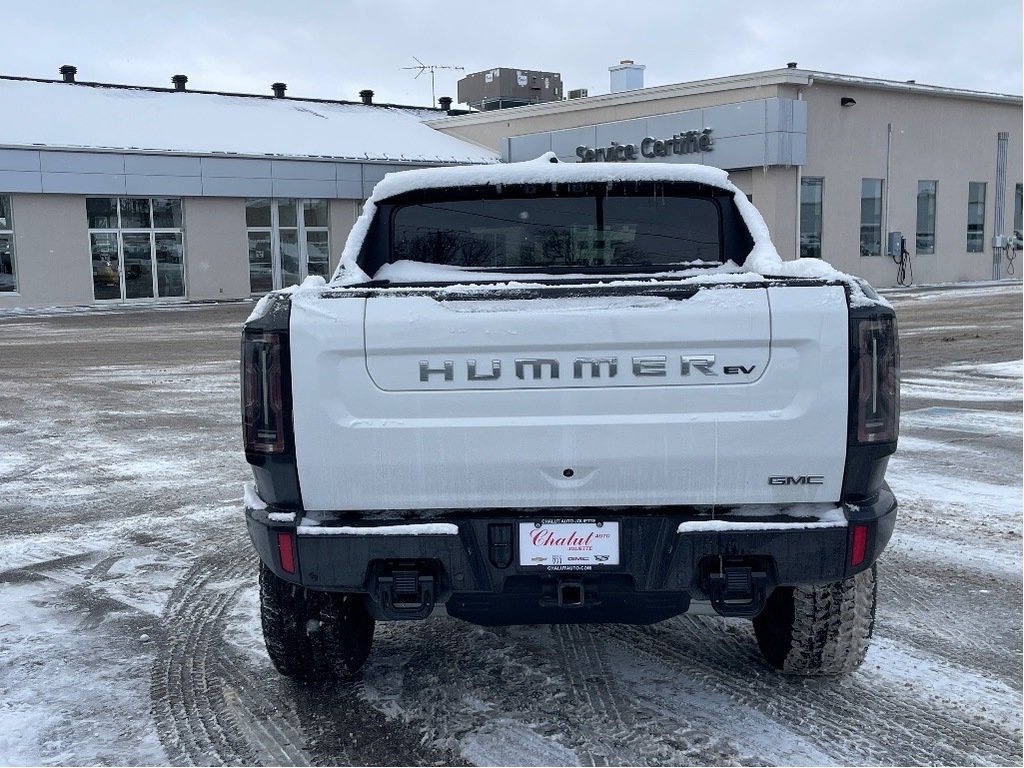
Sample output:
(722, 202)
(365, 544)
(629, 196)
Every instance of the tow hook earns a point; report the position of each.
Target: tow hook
(737, 590)
(406, 592)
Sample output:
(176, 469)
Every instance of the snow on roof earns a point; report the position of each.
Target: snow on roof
(65, 115)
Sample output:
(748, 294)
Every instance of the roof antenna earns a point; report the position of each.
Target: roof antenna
(430, 68)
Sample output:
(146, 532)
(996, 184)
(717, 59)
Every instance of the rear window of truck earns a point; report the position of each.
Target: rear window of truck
(580, 227)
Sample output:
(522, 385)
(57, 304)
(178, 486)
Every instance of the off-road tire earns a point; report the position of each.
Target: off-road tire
(823, 630)
(312, 635)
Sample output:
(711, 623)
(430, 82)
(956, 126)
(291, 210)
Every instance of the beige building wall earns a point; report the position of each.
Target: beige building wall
(51, 251)
(951, 140)
(216, 250)
(343, 215)
(774, 195)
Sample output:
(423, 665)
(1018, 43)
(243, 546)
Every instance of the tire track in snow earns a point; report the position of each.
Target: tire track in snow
(213, 707)
(609, 707)
(589, 681)
(209, 709)
(874, 723)
(944, 621)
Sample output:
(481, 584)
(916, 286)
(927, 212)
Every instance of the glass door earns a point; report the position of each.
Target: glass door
(137, 247)
(261, 262)
(170, 265)
(137, 261)
(106, 265)
(290, 258)
(288, 239)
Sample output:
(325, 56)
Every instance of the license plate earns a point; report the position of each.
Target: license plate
(566, 545)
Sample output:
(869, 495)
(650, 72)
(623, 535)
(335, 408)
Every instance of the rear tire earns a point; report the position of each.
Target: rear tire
(313, 635)
(819, 630)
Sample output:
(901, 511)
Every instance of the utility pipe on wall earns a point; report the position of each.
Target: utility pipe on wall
(998, 240)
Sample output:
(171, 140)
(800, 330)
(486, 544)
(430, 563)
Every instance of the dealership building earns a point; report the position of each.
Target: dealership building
(833, 162)
(116, 194)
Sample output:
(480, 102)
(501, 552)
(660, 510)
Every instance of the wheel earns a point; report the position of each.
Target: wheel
(312, 635)
(823, 630)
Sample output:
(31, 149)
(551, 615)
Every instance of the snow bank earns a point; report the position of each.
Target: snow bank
(1011, 369)
(763, 261)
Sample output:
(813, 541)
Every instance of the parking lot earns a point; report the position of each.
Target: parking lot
(130, 631)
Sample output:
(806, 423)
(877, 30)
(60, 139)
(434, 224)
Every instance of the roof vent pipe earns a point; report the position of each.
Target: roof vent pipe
(179, 82)
(68, 72)
(445, 102)
(366, 96)
(279, 89)
(791, 64)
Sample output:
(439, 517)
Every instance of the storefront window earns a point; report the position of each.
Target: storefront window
(871, 217)
(288, 240)
(976, 217)
(926, 195)
(257, 213)
(137, 247)
(8, 276)
(811, 189)
(101, 212)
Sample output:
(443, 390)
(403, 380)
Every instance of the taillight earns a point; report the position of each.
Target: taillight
(875, 380)
(858, 543)
(286, 550)
(263, 406)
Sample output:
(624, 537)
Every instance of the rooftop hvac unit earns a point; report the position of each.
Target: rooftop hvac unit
(578, 93)
(503, 87)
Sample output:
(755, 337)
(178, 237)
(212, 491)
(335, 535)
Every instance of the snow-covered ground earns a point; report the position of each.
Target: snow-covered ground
(129, 629)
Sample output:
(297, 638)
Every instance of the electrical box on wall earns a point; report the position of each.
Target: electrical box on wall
(895, 244)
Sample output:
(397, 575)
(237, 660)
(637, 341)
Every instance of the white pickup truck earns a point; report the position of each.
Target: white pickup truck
(544, 392)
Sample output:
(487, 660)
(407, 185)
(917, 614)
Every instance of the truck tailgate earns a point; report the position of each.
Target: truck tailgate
(425, 401)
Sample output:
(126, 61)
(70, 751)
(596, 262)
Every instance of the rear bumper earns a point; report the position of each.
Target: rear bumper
(665, 559)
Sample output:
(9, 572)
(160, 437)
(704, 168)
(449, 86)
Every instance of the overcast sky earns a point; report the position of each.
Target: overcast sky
(334, 48)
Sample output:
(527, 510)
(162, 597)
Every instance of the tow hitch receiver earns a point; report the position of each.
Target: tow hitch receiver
(406, 592)
(737, 590)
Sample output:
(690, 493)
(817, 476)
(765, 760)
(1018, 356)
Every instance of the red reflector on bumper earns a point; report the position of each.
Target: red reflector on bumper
(286, 550)
(858, 544)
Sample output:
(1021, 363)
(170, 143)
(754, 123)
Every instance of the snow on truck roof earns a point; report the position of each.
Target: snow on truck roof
(763, 259)
(546, 169)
